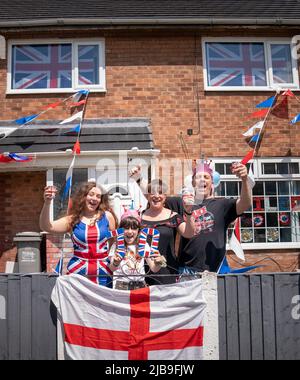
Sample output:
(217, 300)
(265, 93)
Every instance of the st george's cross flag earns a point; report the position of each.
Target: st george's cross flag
(160, 322)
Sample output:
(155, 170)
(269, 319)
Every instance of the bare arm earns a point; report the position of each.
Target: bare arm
(59, 226)
(187, 229)
(244, 202)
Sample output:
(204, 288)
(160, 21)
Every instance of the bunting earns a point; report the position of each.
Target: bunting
(69, 177)
(225, 268)
(78, 115)
(252, 130)
(267, 103)
(235, 241)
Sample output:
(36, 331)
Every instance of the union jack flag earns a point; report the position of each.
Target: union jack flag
(236, 64)
(42, 66)
(88, 64)
(281, 63)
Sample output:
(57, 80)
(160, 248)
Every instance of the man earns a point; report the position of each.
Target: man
(206, 250)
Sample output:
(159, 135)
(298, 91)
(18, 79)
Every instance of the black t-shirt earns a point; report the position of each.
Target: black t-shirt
(168, 231)
(206, 250)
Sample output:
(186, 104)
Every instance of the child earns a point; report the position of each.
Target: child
(129, 273)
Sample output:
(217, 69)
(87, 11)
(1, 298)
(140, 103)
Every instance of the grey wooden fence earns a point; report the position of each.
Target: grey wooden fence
(259, 317)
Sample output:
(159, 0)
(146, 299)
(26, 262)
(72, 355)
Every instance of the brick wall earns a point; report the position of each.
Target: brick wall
(154, 75)
(20, 206)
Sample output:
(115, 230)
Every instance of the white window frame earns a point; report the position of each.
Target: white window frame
(257, 171)
(269, 71)
(75, 43)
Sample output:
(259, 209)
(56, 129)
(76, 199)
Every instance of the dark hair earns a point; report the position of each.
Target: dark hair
(130, 222)
(79, 199)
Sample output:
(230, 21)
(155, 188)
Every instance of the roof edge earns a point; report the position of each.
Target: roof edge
(150, 21)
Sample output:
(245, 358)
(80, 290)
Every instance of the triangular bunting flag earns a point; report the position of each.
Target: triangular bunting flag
(26, 119)
(248, 157)
(18, 158)
(73, 131)
(296, 119)
(76, 148)
(53, 105)
(4, 159)
(79, 94)
(261, 113)
(77, 104)
(235, 241)
(254, 139)
(77, 115)
(267, 103)
(282, 109)
(251, 179)
(251, 131)
(288, 93)
(225, 268)
(69, 176)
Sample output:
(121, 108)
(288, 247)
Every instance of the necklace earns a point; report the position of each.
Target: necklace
(93, 219)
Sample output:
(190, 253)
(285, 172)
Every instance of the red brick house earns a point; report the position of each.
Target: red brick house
(174, 80)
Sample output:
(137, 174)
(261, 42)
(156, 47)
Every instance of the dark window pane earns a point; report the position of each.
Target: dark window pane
(232, 189)
(59, 179)
(285, 235)
(269, 169)
(284, 203)
(260, 235)
(296, 187)
(272, 235)
(270, 188)
(272, 219)
(294, 168)
(283, 188)
(258, 188)
(220, 168)
(282, 168)
(228, 169)
(220, 191)
(246, 220)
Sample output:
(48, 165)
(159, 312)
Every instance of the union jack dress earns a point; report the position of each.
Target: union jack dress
(91, 252)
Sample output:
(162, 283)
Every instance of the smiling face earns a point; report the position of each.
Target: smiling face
(131, 235)
(203, 183)
(93, 200)
(156, 201)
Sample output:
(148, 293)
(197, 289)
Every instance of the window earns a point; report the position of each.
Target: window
(55, 66)
(249, 65)
(59, 179)
(271, 218)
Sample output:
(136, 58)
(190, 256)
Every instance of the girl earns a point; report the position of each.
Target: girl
(89, 220)
(129, 272)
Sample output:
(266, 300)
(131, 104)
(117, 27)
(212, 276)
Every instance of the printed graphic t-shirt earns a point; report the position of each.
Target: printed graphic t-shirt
(206, 250)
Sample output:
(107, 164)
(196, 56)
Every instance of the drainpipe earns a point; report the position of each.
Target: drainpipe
(2, 47)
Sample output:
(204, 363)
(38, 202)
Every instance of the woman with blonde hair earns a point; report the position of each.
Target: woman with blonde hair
(88, 220)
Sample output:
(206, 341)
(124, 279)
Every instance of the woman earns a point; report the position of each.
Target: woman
(89, 220)
(168, 223)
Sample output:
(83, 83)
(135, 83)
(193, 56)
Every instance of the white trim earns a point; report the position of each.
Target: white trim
(267, 43)
(49, 182)
(266, 246)
(74, 44)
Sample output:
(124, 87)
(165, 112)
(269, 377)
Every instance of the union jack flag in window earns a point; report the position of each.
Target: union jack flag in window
(88, 65)
(42, 66)
(236, 64)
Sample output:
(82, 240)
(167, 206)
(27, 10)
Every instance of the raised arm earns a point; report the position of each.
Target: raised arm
(59, 226)
(245, 201)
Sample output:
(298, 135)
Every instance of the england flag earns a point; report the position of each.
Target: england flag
(155, 323)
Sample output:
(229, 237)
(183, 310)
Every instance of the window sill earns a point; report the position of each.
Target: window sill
(267, 246)
(54, 91)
